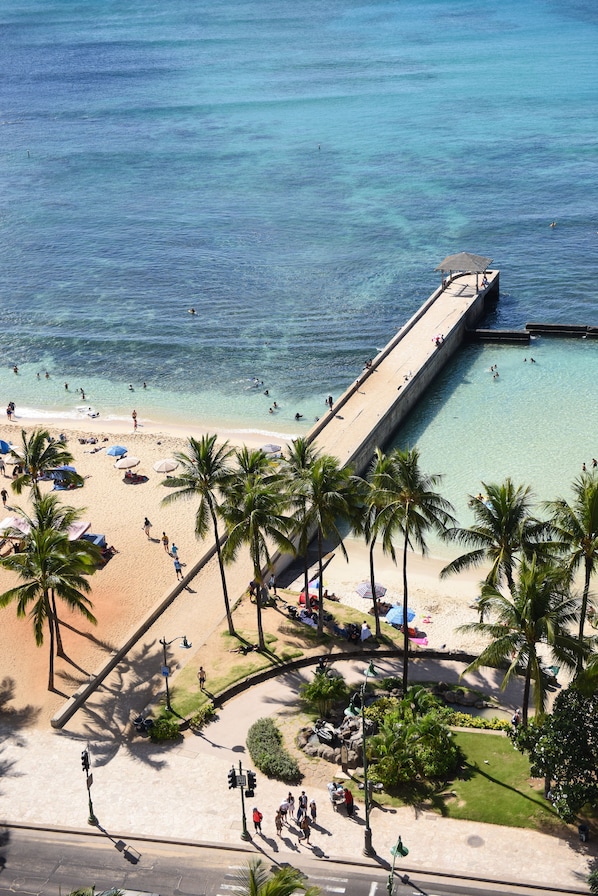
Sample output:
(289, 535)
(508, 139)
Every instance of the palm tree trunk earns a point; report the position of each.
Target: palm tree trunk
(257, 575)
(405, 620)
(59, 647)
(51, 666)
(229, 615)
(320, 590)
(526, 693)
(373, 587)
(583, 611)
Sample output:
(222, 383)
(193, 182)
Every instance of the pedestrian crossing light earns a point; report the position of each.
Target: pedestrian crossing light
(85, 761)
(232, 779)
(251, 784)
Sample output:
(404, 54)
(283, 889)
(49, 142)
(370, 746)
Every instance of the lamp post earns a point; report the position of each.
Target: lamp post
(85, 765)
(397, 850)
(165, 670)
(368, 849)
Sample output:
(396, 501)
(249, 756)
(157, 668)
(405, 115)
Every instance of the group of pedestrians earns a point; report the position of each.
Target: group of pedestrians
(171, 549)
(305, 816)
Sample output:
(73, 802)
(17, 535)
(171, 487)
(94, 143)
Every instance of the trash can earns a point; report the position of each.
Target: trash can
(584, 833)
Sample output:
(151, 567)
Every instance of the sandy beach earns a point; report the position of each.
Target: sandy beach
(141, 573)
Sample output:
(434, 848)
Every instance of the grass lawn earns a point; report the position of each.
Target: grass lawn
(286, 639)
(496, 787)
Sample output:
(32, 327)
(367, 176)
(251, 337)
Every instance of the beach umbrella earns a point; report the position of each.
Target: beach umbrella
(270, 449)
(65, 468)
(116, 451)
(4, 447)
(125, 463)
(166, 465)
(395, 616)
(365, 590)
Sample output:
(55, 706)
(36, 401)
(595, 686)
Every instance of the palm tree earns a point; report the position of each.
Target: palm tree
(40, 453)
(575, 526)
(332, 494)
(256, 880)
(49, 513)
(48, 565)
(538, 610)
(379, 484)
(411, 506)
(205, 472)
(297, 462)
(254, 514)
(503, 531)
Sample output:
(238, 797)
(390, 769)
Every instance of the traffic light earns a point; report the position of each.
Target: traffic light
(85, 761)
(250, 784)
(232, 779)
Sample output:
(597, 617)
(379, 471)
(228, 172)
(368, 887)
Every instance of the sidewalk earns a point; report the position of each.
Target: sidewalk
(181, 792)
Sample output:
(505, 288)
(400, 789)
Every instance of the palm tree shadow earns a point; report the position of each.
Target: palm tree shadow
(108, 712)
(538, 802)
(105, 645)
(11, 720)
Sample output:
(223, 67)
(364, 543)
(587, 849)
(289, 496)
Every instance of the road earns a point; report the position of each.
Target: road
(49, 863)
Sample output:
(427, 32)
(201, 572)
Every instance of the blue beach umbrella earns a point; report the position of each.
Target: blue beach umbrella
(395, 615)
(117, 451)
(4, 447)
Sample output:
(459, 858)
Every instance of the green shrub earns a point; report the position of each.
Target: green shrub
(379, 709)
(264, 742)
(203, 716)
(391, 683)
(593, 881)
(164, 729)
(465, 720)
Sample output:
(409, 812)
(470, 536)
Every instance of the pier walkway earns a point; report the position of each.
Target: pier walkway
(368, 413)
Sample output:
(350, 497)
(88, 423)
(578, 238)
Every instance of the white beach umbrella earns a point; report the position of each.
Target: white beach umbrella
(365, 590)
(165, 466)
(125, 463)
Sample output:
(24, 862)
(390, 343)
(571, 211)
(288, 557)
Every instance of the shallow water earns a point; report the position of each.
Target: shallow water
(293, 173)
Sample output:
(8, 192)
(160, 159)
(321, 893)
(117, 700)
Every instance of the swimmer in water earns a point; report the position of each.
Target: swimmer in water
(131, 389)
(191, 311)
(298, 416)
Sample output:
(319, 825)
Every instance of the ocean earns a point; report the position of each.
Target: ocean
(292, 172)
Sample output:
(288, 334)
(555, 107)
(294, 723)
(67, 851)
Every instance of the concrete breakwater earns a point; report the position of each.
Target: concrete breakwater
(370, 410)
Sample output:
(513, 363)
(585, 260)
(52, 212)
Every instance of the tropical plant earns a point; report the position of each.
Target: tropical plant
(38, 454)
(575, 527)
(563, 749)
(323, 691)
(332, 495)
(411, 506)
(538, 610)
(413, 741)
(205, 471)
(256, 880)
(254, 514)
(165, 729)
(297, 462)
(48, 566)
(503, 532)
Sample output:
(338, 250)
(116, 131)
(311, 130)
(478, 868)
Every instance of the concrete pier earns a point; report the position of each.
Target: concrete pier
(367, 414)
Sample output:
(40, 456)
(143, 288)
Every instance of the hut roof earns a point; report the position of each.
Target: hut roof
(464, 261)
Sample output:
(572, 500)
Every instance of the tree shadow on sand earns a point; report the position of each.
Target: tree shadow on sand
(109, 711)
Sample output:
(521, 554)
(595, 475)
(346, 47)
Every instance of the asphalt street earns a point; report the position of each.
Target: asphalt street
(43, 863)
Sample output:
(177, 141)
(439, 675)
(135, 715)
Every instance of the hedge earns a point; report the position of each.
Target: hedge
(264, 742)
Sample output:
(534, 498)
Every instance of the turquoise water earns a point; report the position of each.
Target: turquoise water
(293, 172)
(536, 422)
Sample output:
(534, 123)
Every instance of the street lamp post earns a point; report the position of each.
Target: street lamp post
(368, 849)
(85, 765)
(165, 670)
(397, 850)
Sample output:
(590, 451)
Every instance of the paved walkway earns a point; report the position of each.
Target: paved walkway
(181, 792)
